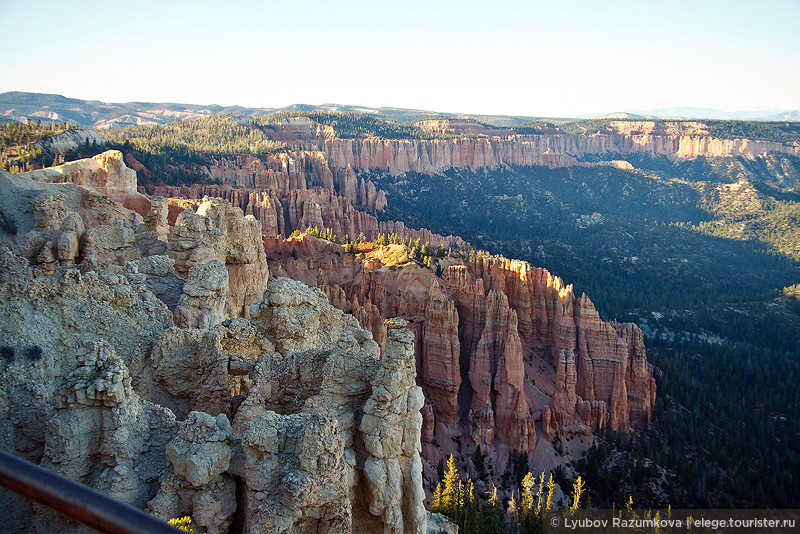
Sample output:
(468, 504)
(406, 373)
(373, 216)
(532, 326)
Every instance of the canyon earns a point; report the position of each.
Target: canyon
(279, 194)
(326, 384)
(502, 348)
(506, 356)
(164, 366)
(551, 149)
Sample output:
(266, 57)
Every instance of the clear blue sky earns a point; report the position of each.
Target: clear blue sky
(544, 58)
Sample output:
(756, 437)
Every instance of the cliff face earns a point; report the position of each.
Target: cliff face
(105, 173)
(281, 173)
(483, 332)
(181, 397)
(552, 150)
(303, 208)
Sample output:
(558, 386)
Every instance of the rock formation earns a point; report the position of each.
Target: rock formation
(484, 332)
(205, 294)
(292, 410)
(70, 140)
(280, 173)
(105, 173)
(301, 209)
(398, 156)
(218, 231)
(200, 455)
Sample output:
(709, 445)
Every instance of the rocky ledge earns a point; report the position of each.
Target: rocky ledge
(165, 368)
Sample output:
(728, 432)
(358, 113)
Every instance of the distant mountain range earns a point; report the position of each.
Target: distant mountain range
(20, 106)
(101, 115)
(771, 114)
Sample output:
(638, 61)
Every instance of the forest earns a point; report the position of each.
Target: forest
(718, 308)
(703, 254)
(18, 152)
(776, 131)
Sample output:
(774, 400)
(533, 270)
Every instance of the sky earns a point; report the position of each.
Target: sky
(533, 58)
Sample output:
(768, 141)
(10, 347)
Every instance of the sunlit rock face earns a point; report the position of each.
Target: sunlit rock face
(170, 371)
(398, 156)
(501, 347)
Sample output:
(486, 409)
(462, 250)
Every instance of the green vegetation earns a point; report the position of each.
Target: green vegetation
(703, 255)
(531, 498)
(194, 140)
(173, 152)
(587, 126)
(183, 523)
(459, 502)
(349, 125)
(346, 125)
(535, 127)
(779, 131)
(17, 150)
(410, 250)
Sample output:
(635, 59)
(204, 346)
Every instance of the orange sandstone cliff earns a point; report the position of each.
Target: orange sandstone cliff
(553, 149)
(300, 209)
(506, 353)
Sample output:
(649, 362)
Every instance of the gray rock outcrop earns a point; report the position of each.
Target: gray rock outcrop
(176, 394)
(218, 231)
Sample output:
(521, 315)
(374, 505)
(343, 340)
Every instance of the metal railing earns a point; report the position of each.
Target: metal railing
(77, 501)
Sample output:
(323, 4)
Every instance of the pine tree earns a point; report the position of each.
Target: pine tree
(528, 518)
(577, 490)
(493, 519)
(451, 481)
(436, 504)
(551, 486)
(512, 513)
(540, 498)
(526, 498)
(471, 513)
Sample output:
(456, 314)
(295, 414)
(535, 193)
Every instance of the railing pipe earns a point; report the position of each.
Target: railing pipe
(77, 501)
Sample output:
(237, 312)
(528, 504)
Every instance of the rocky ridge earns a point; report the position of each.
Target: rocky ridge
(142, 364)
(398, 156)
(302, 209)
(280, 173)
(501, 347)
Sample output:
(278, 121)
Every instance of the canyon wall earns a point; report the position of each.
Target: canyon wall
(501, 345)
(168, 369)
(304, 208)
(280, 173)
(398, 156)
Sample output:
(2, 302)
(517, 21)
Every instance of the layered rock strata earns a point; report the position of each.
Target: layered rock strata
(484, 330)
(398, 156)
(283, 172)
(302, 209)
(293, 411)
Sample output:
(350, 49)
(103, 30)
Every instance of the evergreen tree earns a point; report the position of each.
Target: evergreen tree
(577, 490)
(450, 492)
(551, 486)
(493, 518)
(526, 497)
(436, 503)
(471, 512)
